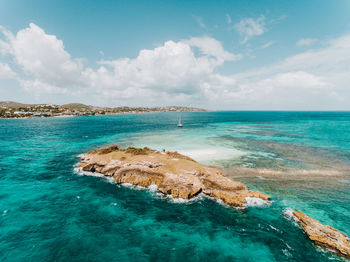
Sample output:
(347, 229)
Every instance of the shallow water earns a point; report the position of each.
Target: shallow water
(48, 212)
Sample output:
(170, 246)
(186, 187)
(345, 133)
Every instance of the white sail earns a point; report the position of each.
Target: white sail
(179, 124)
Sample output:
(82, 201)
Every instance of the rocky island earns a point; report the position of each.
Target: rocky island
(324, 235)
(172, 173)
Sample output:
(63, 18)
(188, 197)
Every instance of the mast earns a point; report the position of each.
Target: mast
(179, 124)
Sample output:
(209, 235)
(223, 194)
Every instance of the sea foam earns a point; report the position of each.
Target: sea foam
(152, 188)
(256, 201)
(251, 201)
(79, 171)
(288, 213)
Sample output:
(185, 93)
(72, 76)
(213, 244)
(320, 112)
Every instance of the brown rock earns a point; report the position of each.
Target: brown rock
(173, 173)
(324, 235)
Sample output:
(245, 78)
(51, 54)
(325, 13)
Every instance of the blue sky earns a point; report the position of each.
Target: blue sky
(259, 55)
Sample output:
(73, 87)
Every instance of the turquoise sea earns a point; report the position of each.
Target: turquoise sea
(50, 212)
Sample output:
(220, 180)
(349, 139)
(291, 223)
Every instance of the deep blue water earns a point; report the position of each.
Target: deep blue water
(48, 212)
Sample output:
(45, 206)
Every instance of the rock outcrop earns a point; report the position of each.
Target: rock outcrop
(324, 235)
(173, 174)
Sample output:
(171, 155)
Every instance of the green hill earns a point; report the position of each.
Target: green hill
(12, 104)
(76, 106)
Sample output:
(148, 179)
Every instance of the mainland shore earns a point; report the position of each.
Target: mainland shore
(19, 110)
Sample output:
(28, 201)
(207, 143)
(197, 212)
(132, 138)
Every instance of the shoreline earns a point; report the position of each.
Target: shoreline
(127, 113)
(173, 174)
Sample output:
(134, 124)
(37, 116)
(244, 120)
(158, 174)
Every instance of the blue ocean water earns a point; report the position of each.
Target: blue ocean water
(48, 212)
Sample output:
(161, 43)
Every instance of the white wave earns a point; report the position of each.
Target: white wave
(129, 185)
(272, 227)
(333, 256)
(180, 200)
(288, 246)
(153, 188)
(79, 171)
(256, 201)
(287, 253)
(220, 202)
(288, 213)
(251, 201)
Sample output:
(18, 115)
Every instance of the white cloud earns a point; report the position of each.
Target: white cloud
(38, 87)
(4, 45)
(183, 72)
(250, 27)
(212, 47)
(306, 41)
(314, 79)
(334, 57)
(287, 91)
(172, 68)
(268, 44)
(42, 56)
(6, 72)
(297, 79)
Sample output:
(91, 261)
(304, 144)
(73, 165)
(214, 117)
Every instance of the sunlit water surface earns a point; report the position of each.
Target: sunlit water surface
(48, 212)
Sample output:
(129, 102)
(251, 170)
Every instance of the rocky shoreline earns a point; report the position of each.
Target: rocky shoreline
(323, 235)
(182, 177)
(172, 173)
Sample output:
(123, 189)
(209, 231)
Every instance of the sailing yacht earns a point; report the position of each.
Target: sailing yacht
(179, 124)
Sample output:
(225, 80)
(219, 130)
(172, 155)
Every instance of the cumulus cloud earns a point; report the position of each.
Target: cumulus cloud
(287, 91)
(38, 87)
(306, 41)
(5, 71)
(43, 56)
(172, 68)
(297, 79)
(250, 27)
(314, 79)
(181, 72)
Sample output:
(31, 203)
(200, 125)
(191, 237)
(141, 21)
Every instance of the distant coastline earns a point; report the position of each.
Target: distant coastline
(16, 110)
